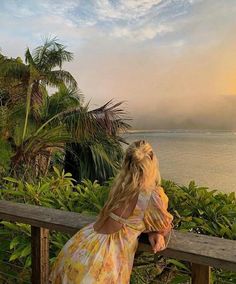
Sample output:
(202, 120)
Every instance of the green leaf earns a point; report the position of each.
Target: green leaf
(27, 261)
(26, 251)
(198, 221)
(17, 254)
(15, 242)
(201, 212)
(11, 179)
(56, 171)
(180, 279)
(177, 264)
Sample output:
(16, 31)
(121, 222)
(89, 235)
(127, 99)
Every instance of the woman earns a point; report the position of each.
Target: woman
(103, 251)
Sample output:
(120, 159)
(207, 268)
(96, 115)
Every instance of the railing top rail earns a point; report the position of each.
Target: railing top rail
(202, 249)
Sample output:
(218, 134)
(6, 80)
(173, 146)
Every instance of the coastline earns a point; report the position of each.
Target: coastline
(206, 131)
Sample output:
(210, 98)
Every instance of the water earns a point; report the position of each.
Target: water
(208, 158)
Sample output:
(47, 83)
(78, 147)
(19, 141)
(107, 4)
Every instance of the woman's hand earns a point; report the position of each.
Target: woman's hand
(157, 241)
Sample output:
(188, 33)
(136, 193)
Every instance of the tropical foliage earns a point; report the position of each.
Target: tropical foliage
(194, 208)
(39, 130)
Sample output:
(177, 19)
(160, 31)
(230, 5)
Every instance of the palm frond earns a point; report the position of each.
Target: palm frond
(58, 56)
(81, 124)
(28, 58)
(50, 137)
(87, 125)
(39, 54)
(51, 54)
(95, 160)
(58, 77)
(96, 152)
(41, 143)
(111, 118)
(63, 100)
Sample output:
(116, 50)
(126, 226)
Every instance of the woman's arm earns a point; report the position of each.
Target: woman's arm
(157, 241)
(158, 220)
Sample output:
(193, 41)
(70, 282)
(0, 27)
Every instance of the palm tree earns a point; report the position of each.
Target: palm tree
(40, 128)
(43, 67)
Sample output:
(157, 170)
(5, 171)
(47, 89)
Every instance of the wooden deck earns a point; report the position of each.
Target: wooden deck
(202, 251)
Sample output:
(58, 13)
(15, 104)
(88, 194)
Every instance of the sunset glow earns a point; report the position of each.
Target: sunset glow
(172, 61)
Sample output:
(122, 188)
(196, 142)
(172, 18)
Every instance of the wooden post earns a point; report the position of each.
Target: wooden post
(40, 255)
(200, 274)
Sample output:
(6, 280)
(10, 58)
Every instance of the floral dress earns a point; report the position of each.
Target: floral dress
(90, 257)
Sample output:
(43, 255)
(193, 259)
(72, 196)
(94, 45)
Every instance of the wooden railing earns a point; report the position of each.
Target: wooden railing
(201, 251)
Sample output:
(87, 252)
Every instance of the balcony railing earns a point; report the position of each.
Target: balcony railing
(203, 252)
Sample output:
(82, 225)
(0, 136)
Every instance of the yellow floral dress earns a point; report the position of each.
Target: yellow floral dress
(90, 257)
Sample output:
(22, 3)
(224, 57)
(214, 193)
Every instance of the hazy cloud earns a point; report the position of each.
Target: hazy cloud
(172, 61)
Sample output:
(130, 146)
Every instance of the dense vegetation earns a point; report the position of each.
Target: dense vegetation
(39, 129)
(194, 208)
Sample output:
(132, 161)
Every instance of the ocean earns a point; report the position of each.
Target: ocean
(208, 158)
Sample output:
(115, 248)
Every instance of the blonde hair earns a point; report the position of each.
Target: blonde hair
(139, 171)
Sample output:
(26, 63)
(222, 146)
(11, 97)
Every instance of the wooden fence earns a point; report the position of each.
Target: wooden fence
(201, 251)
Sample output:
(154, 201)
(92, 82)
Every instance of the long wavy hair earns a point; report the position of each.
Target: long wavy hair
(139, 171)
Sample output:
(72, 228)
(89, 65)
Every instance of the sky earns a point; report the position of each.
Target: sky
(172, 62)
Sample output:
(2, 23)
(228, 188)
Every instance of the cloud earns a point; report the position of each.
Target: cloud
(141, 34)
(172, 61)
(138, 20)
(120, 10)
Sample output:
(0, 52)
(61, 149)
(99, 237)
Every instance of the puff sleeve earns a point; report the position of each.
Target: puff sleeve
(156, 216)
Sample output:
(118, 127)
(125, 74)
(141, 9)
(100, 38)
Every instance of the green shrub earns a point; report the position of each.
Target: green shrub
(201, 211)
(5, 155)
(194, 208)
